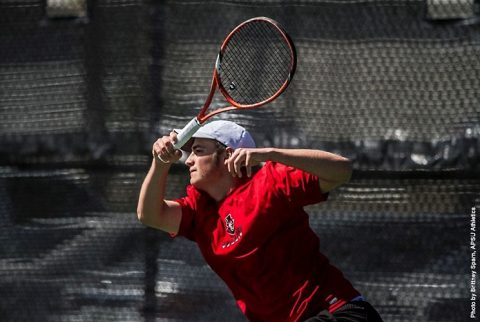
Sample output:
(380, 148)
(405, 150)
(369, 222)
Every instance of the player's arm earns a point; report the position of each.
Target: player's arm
(331, 169)
(152, 209)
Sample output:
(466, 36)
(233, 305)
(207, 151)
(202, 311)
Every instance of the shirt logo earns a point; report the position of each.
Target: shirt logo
(234, 234)
(230, 224)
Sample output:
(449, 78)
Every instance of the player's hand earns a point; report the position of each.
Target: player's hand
(247, 158)
(163, 150)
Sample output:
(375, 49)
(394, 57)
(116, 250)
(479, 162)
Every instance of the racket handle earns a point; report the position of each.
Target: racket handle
(186, 133)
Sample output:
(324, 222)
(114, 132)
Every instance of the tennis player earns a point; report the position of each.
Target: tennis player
(250, 225)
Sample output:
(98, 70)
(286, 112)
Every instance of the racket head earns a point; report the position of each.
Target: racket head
(256, 63)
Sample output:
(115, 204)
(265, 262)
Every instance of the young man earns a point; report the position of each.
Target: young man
(251, 227)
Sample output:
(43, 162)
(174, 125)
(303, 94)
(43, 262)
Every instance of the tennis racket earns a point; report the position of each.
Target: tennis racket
(255, 64)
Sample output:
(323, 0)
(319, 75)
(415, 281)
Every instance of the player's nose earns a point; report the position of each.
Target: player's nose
(189, 162)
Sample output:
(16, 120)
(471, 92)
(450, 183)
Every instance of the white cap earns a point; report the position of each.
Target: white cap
(228, 133)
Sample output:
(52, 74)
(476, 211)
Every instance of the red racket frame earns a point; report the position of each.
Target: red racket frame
(202, 116)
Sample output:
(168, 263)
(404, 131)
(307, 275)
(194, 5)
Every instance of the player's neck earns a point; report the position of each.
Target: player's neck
(222, 187)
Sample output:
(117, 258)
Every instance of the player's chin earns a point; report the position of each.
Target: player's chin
(194, 179)
(198, 182)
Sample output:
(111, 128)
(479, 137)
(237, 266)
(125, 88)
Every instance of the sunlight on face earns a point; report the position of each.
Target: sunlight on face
(205, 163)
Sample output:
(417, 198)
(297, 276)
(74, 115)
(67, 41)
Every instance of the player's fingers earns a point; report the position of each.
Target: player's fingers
(157, 151)
(230, 163)
(239, 160)
(248, 165)
(156, 147)
(169, 146)
(162, 159)
(164, 151)
(178, 154)
(229, 167)
(173, 136)
(169, 142)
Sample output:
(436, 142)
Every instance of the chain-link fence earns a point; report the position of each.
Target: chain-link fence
(87, 86)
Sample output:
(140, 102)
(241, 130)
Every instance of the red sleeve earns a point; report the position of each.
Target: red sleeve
(299, 187)
(189, 209)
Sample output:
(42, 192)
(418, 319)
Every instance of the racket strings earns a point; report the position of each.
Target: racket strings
(262, 35)
(261, 76)
(274, 77)
(256, 63)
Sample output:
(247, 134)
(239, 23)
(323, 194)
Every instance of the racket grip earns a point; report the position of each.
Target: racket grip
(186, 133)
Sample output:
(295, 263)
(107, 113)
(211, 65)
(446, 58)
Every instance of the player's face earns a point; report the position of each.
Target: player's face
(205, 163)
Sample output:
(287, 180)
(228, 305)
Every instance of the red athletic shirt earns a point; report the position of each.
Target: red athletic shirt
(259, 241)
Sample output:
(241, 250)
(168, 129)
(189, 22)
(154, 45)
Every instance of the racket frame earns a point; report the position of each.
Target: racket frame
(189, 130)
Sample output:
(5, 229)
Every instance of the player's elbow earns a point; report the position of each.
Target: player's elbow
(344, 171)
(342, 174)
(144, 218)
(140, 214)
(151, 215)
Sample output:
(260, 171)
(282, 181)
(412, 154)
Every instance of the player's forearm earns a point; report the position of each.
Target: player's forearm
(151, 200)
(325, 165)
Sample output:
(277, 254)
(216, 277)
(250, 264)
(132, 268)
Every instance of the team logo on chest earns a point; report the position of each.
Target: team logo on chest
(234, 233)
(230, 224)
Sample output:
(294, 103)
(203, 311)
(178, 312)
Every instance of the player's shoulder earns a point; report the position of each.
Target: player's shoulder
(271, 172)
(196, 197)
(276, 167)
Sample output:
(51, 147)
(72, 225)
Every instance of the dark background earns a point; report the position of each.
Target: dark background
(82, 99)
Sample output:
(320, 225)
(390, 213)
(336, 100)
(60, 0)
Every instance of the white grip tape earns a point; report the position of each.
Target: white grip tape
(186, 133)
